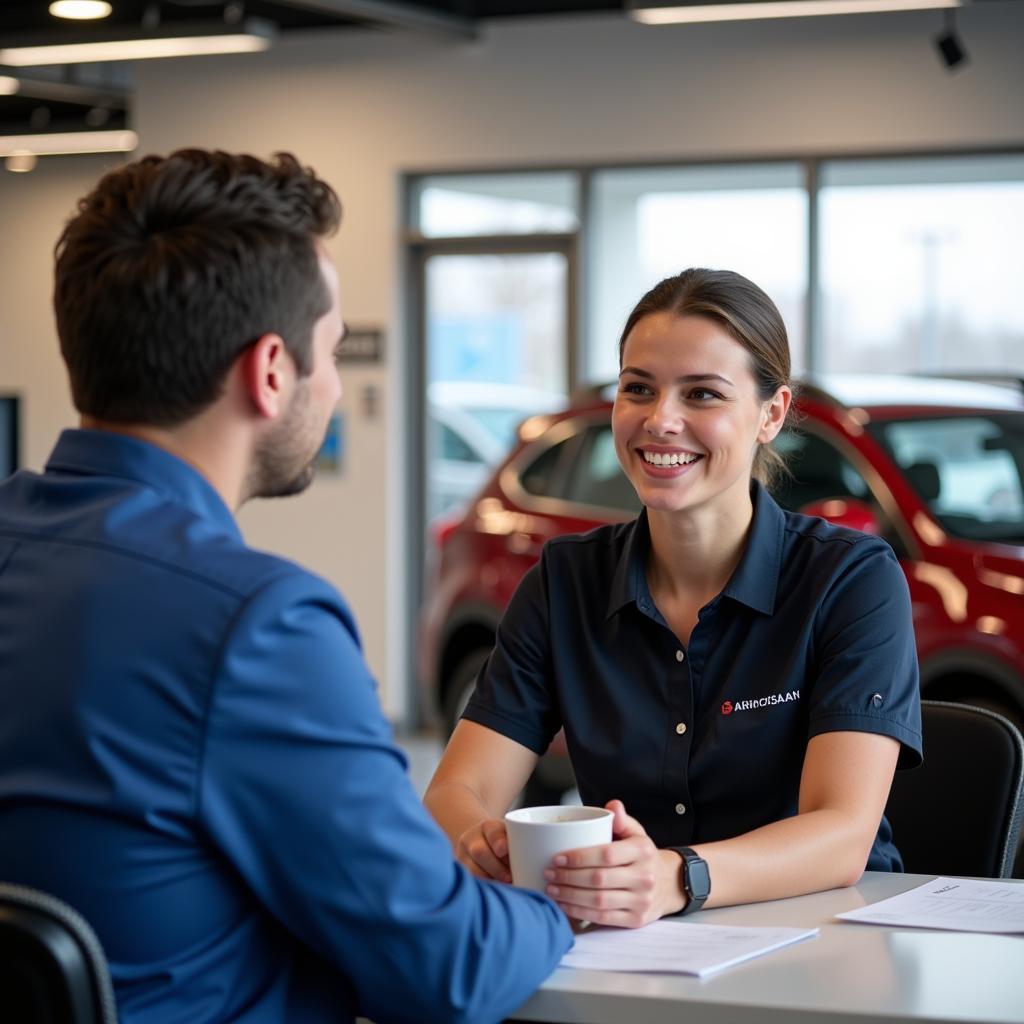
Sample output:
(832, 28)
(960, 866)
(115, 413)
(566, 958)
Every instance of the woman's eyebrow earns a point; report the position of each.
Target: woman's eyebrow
(686, 378)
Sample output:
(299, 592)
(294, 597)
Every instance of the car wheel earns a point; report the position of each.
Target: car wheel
(462, 685)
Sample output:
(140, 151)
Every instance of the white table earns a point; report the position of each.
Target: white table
(850, 974)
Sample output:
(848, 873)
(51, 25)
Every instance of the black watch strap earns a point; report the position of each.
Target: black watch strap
(695, 877)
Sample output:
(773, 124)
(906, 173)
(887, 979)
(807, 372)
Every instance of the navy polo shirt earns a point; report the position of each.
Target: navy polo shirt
(812, 634)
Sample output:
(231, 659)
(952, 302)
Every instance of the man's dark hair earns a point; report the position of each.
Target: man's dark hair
(173, 265)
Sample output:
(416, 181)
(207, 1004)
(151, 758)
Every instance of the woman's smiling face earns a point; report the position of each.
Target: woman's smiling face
(687, 417)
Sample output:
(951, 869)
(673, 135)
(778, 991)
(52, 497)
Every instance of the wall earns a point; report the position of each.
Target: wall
(364, 107)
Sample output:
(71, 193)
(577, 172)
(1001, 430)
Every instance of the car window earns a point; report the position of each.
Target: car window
(597, 478)
(968, 470)
(541, 476)
(455, 448)
(818, 471)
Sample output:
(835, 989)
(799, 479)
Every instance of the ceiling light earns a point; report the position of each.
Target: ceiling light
(21, 161)
(8, 86)
(173, 41)
(63, 143)
(653, 12)
(80, 10)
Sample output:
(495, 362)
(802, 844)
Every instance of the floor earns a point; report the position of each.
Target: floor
(424, 751)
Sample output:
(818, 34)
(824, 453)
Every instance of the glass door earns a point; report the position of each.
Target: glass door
(496, 350)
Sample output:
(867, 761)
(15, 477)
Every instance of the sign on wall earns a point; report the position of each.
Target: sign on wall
(362, 345)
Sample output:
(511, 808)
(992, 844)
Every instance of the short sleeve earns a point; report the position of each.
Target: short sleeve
(304, 792)
(515, 693)
(866, 674)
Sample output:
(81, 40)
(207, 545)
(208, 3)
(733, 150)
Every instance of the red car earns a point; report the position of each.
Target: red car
(933, 465)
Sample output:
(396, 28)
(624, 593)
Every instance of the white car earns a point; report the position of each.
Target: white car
(470, 427)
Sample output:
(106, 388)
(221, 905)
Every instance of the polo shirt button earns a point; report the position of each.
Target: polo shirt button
(681, 728)
(877, 700)
(680, 808)
(680, 655)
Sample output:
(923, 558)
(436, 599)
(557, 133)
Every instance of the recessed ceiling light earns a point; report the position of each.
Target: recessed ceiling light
(21, 161)
(668, 12)
(124, 44)
(80, 10)
(66, 143)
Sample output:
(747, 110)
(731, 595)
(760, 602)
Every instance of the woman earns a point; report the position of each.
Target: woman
(742, 679)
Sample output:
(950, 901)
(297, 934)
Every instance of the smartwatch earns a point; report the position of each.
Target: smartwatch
(695, 877)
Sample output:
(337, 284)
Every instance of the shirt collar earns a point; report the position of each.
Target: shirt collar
(753, 583)
(105, 453)
(755, 580)
(629, 584)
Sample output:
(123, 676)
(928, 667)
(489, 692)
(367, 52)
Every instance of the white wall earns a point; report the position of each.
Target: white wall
(364, 107)
(33, 209)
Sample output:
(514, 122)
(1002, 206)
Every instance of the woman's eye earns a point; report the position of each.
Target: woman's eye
(634, 387)
(703, 394)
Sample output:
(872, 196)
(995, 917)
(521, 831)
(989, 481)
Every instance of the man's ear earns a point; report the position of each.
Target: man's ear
(267, 375)
(774, 414)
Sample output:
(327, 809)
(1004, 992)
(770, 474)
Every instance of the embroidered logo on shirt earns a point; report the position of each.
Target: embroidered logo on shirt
(728, 707)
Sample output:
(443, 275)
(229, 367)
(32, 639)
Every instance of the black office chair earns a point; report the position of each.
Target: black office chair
(52, 968)
(960, 812)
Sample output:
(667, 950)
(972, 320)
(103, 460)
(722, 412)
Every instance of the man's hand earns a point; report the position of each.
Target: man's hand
(627, 883)
(484, 850)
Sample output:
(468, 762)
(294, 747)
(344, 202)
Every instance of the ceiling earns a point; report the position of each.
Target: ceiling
(79, 97)
(31, 16)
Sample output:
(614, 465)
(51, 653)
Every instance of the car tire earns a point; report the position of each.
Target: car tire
(462, 685)
(544, 785)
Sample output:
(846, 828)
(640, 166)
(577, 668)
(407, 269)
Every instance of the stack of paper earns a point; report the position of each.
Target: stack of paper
(677, 947)
(952, 904)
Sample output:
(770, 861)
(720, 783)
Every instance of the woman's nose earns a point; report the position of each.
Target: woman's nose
(665, 417)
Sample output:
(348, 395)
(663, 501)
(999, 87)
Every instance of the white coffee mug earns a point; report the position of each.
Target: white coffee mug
(537, 834)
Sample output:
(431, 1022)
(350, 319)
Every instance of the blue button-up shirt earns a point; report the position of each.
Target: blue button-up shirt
(192, 754)
(706, 741)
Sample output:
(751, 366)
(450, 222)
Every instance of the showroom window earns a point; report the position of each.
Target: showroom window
(921, 263)
(494, 277)
(465, 205)
(650, 223)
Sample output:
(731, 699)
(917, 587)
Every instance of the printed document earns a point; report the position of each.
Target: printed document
(676, 947)
(953, 904)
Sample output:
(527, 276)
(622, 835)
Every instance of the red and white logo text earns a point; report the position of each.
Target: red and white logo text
(729, 707)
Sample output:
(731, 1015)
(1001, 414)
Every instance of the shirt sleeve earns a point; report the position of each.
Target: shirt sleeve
(514, 694)
(304, 791)
(866, 676)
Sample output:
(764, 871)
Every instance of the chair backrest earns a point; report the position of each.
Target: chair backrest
(960, 812)
(52, 968)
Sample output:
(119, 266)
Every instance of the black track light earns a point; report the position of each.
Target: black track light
(950, 45)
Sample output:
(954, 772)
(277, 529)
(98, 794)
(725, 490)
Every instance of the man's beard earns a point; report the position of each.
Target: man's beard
(283, 463)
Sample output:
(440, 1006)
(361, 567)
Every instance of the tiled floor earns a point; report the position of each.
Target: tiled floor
(424, 751)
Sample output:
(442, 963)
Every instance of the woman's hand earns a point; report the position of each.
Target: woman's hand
(628, 882)
(484, 850)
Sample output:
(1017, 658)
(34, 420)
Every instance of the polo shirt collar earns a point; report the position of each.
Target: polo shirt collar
(754, 582)
(629, 584)
(105, 453)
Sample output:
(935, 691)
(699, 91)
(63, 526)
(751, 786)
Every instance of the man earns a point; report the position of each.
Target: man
(191, 749)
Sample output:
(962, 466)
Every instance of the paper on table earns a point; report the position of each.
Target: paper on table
(677, 947)
(953, 904)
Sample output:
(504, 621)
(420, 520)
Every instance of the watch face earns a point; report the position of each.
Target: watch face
(699, 879)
